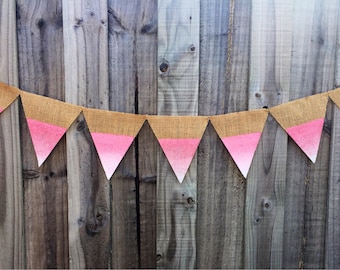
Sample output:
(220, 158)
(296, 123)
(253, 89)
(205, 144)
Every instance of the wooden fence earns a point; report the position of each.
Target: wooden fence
(174, 57)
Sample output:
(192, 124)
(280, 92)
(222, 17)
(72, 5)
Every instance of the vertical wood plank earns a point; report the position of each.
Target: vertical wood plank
(145, 47)
(86, 51)
(306, 202)
(86, 83)
(224, 60)
(178, 55)
(132, 54)
(332, 245)
(8, 49)
(269, 85)
(40, 54)
(12, 249)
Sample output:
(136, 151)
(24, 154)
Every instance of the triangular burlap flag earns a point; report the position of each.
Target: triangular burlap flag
(240, 133)
(303, 120)
(7, 95)
(335, 96)
(48, 120)
(112, 134)
(179, 137)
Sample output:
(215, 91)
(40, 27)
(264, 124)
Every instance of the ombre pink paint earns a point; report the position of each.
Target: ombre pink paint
(111, 149)
(1, 110)
(44, 137)
(307, 136)
(179, 153)
(242, 149)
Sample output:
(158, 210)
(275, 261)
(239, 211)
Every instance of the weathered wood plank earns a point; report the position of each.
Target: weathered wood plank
(145, 50)
(12, 249)
(86, 83)
(178, 56)
(8, 47)
(40, 47)
(269, 85)
(332, 243)
(224, 59)
(89, 205)
(86, 53)
(313, 63)
(40, 54)
(132, 67)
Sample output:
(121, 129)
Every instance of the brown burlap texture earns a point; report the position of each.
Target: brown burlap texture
(113, 122)
(335, 96)
(175, 127)
(238, 123)
(7, 95)
(49, 110)
(300, 111)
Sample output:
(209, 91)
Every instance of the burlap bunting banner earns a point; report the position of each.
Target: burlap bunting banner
(335, 96)
(7, 95)
(179, 137)
(303, 120)
(240, 133)
(48, 120)
(112, 134)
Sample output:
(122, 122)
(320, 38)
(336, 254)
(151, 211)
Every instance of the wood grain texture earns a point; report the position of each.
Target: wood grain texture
(40, 56)
(132, 51)
(8, 47)
(12, 245)
(332, 245)
(224, 56)
(12, 248)
(305, 210)
(142, 33)
(269, 85)
(178, 55)
(89, 201)
(86, 53)
(40, 47)
(86, 83)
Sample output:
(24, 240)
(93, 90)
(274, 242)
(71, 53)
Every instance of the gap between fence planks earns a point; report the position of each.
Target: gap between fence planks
(225, 30)
(178, 55)
(132, 55)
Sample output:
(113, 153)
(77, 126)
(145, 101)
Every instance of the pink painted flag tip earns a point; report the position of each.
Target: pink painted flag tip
(307, 136)
(45, 137)
(179, 153)
(242, 149)
(111, 150)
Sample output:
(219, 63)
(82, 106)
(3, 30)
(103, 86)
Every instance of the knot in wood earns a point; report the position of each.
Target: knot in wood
(163, 67)
(267, 205)
(79, 21)
(190, 200)
(81, 126)
(41, 23)
(257, 220)
(192, 48)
